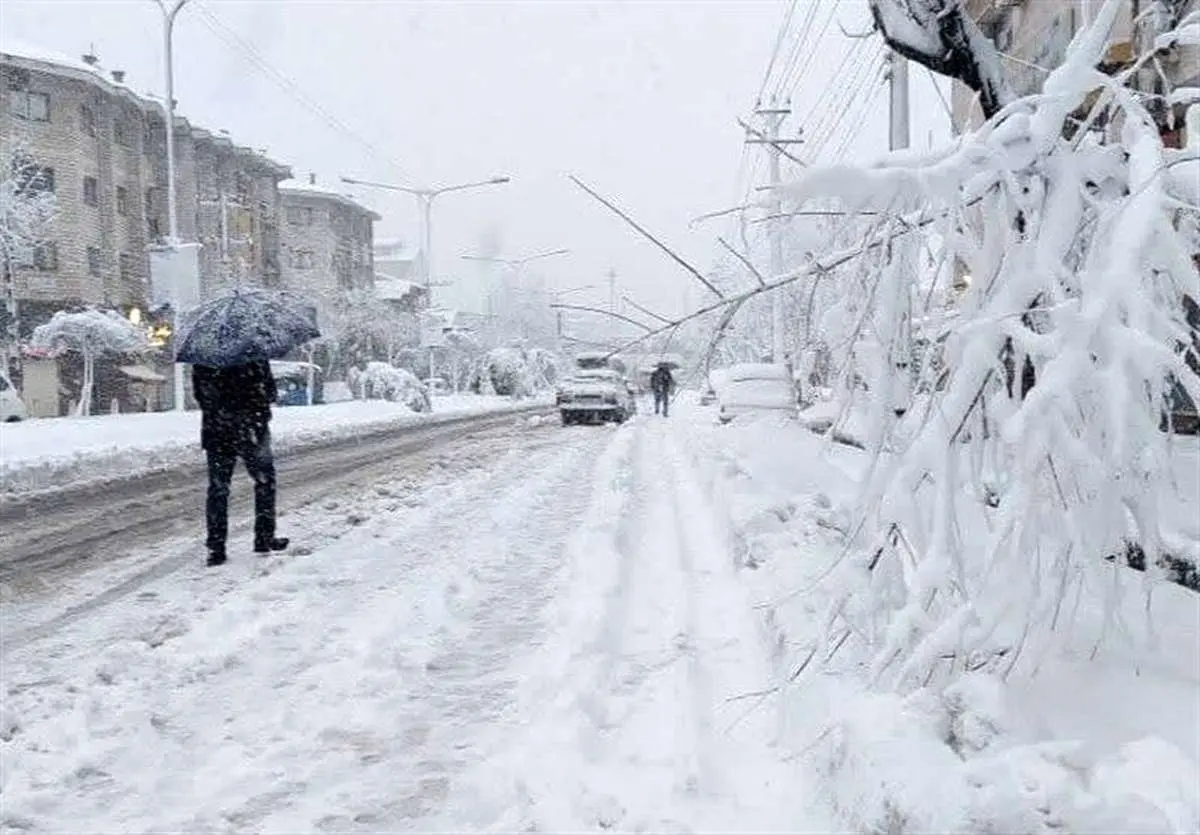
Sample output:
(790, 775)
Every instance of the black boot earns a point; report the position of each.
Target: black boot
(266, 546)
(216, 556)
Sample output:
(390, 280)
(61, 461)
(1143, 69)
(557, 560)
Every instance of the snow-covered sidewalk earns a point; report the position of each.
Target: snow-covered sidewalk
(52, 453)
(1087, 733)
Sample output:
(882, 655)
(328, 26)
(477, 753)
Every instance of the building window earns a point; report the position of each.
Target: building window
(91, 191)
(300, 215)
(93, 256)
(125, 266)
(87, 119)
(122, 201)
(33, 107)
(302, 259)
(42, 257)
(122, 133)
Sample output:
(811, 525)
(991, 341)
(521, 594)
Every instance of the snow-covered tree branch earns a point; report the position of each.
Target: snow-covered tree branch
(27, 207)
(988, 502)
(91, 334)
(941, 35)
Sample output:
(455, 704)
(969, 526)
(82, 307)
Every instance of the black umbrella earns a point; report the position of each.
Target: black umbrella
(246, 326)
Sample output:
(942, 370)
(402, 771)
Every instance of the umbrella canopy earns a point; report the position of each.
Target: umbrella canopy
(246, 326)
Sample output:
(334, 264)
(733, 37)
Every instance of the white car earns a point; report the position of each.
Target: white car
(12, 407)
(755, 387)
(596, 395)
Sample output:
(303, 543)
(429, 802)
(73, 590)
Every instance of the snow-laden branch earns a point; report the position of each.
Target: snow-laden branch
(27, 208)
(941, 35)
(91, 334)
(987, 502)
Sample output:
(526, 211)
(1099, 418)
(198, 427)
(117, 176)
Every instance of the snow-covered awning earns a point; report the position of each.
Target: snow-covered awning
(142, 374)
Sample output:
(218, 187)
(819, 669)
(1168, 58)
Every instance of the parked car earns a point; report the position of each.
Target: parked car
(755, 387)
(292, 380)
(596, 395)
(12, 407)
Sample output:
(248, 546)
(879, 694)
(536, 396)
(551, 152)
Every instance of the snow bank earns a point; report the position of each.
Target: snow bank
(1069, 735)
(50, 454)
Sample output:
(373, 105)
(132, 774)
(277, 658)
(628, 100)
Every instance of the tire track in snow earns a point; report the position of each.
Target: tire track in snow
(643, 736)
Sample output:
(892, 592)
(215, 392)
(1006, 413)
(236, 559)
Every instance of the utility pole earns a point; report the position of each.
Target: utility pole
(902, 252)
(169, 13)
(612, 291)
(898, 110)
(773, 116)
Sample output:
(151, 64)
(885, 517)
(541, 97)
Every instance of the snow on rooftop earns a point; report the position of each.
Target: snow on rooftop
(317, 190)
(33, 52)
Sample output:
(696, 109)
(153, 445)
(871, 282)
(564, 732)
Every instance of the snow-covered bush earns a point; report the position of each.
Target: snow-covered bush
(380, 381)
(506, 372)
(89, 333)
(991, 501)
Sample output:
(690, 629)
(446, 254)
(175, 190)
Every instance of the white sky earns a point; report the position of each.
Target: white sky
(638, 99)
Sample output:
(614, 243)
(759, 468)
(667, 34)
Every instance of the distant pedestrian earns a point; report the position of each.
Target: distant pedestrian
(663, 385)
(236, 404)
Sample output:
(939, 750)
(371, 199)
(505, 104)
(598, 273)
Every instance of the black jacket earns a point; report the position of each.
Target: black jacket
(662, 381)
(236, 403)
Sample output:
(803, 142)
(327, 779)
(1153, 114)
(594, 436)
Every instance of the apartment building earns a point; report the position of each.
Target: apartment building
(101, 148)
(327, 242)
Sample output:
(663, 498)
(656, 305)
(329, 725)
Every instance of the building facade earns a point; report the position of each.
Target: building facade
(327, 244)
(101, 148)
(1032, 37)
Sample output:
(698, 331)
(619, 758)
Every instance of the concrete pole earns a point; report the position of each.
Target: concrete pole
(903, 251)
(172, 209)
(774, 122)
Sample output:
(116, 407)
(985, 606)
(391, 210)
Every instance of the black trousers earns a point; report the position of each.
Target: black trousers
(254, 449)
(662, 402)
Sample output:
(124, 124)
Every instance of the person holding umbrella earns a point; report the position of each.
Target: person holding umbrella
(235, 404)
(230, 342)
(662, 384)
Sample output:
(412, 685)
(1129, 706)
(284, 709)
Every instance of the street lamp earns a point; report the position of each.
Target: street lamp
(517, 265)
(169, 13)
(425, 198)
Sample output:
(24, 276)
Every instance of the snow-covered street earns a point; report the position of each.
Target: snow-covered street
(537, 628)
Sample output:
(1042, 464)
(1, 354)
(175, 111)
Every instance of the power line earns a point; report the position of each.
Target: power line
(794, 78)
(829, 109)
(797, 48)
(863, 79)
(865, 107)
(232, 39)
(863, 83)
(854, 53)
(783, 28)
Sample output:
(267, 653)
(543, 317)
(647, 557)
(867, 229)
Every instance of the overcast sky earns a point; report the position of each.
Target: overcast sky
(638, 99)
